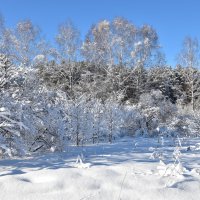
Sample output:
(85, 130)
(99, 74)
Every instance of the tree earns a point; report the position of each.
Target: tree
(163, 78)
(6, 39)
(2, 35)
(124, 37)
(11, 142)
(26, 43)
(189, 58)
(97, 47)
(146, 44)
(68, 40)
(5, 71)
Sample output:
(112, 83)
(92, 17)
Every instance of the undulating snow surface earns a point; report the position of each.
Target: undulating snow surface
(126, 169)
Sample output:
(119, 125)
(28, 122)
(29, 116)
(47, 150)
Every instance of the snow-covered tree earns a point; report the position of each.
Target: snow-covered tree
(97, 47)
(124, 37)
(11, 139)
(27, 43)
(68, 40)
(189, 58)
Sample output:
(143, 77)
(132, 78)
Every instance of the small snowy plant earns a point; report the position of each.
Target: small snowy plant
(80, 164)
(157, 154)
(175, 168)
(170, 169)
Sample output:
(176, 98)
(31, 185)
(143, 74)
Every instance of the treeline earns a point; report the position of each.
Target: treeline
(116, 82)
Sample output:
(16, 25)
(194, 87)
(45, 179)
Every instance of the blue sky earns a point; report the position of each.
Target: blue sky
(173, 19)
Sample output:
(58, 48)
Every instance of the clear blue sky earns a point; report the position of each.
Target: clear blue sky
(173, 19)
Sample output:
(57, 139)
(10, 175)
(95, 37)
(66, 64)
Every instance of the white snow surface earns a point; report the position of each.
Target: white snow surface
(118, 171)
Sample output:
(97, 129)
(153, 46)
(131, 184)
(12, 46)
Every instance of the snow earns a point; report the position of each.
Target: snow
(170, 169)
(121, 170)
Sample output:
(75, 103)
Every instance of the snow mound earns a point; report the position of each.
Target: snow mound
(195, 171)
(197, 146)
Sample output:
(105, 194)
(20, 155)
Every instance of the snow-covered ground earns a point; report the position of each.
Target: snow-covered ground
(127, 169)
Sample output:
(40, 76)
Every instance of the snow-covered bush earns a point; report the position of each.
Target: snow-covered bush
(156, 111)
(132, 121)
(51, 130)
(11, 142)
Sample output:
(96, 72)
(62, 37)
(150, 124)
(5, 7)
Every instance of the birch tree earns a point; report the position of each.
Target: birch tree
(189, 58)
(68, 40)
(25, 40)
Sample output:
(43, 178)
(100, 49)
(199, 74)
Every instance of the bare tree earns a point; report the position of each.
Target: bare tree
(189, 58)
(124, 37)
(98, 45)
(6, 47)
(68, 40)
(26, 38)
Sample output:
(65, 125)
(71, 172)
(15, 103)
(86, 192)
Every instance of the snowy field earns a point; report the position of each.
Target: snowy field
(127, 169)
